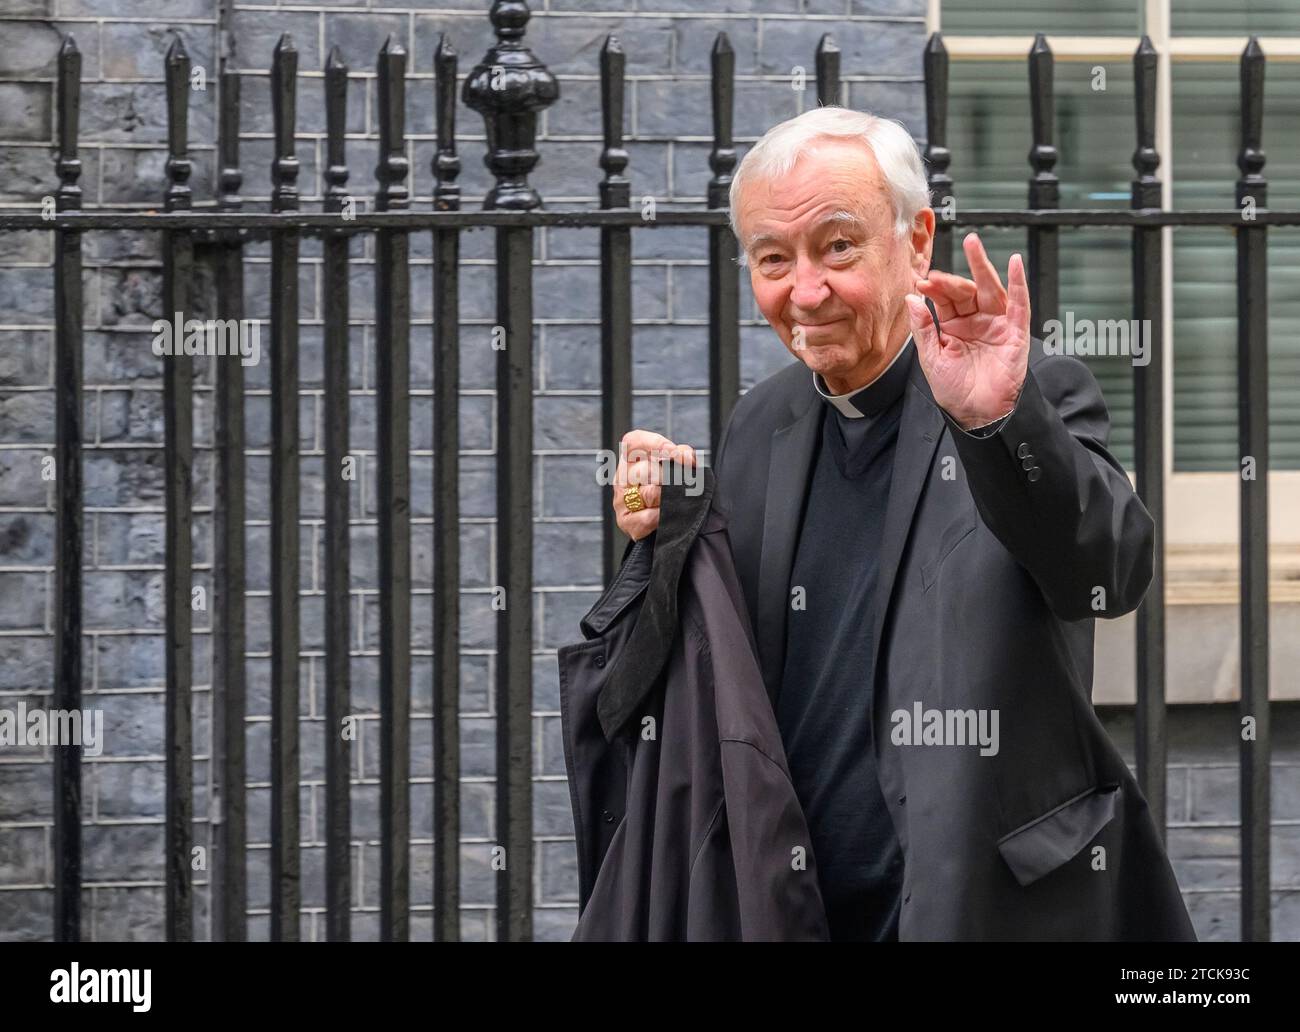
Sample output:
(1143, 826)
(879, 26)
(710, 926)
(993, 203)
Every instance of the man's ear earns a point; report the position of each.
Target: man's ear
(922, 241)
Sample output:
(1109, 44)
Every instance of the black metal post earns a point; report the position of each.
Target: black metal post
(446, 512)
(69, 520)
(229, 873)
(340, 469)
(1252, 416)
(286, 890)
(178, 458)
(1149, 443)
(724, 279)
(393, 382)
(508, 87)
(615, 287)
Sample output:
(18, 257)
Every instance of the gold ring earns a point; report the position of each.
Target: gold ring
(633, 500)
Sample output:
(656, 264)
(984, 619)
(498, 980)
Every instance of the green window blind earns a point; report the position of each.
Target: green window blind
(1235, 18)
(1018, 17)
(1206, 128)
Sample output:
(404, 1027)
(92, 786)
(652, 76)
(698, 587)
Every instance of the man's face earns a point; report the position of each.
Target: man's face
(827, 270)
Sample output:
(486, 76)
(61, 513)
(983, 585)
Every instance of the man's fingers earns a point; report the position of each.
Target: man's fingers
(644, 441)
(923, 331)
(1018, 293)
(641, 471)
(953, 296)
(637, 525)
(992, 295)
(650, 494)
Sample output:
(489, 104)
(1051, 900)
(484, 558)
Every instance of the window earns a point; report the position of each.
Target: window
(990, 136)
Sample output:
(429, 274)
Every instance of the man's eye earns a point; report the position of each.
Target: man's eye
(768, 259)
(841, 246)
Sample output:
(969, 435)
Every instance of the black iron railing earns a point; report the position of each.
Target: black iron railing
(508, 88)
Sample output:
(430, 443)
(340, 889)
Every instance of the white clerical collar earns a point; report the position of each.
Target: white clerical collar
(842, 401)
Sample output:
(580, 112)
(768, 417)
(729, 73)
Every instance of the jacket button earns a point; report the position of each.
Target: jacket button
(609, 817)
(599, 660)
(1027, 462)
(1023, 450)
(907, 898)
(902, 799)
(1033, 475)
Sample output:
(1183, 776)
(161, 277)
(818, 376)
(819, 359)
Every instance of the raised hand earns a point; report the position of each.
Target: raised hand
(977, 368)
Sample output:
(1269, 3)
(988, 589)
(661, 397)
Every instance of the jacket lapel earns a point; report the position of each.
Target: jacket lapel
(919, 430)
(793, 447)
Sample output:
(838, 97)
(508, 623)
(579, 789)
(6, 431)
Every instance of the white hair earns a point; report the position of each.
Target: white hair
(889, 142)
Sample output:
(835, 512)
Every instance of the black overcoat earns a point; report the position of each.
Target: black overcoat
(687, 824)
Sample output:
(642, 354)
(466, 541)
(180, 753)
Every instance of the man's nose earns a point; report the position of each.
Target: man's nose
(810, 288)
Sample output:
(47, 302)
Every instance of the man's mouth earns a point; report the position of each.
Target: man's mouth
(805, 329)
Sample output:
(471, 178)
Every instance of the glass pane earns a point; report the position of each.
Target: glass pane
(990, 140)
(1206, 137)
(1027, 17)
(1239, 18)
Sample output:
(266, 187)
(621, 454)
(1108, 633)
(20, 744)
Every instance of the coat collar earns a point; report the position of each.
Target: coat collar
(789, 468)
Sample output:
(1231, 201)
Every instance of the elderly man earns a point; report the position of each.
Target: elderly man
(925, 521)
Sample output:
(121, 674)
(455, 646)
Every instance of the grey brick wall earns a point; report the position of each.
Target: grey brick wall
(123, 127)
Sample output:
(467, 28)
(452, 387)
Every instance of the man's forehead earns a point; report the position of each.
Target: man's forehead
(860, 208)
(839, 175)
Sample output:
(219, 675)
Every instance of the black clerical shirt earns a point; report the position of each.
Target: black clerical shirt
(825, 699)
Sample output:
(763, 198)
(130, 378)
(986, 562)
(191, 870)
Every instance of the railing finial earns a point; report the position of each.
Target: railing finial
(229, 177)
(446, 163)
(615, 190)
(828, 71)
(508, 88)
(1146, 187)
(284, 85)
(66, 163)
(722, 159)
(393, 166)
(336, 126)
(1044, 187)
(1250, 159)
(177, 197)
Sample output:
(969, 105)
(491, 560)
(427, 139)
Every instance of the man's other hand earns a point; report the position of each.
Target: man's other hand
(640, 455)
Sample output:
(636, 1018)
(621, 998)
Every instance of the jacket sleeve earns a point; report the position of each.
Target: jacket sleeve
(1058, 501)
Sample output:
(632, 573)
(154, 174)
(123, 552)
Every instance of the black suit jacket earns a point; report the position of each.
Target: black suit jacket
(996, 556)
